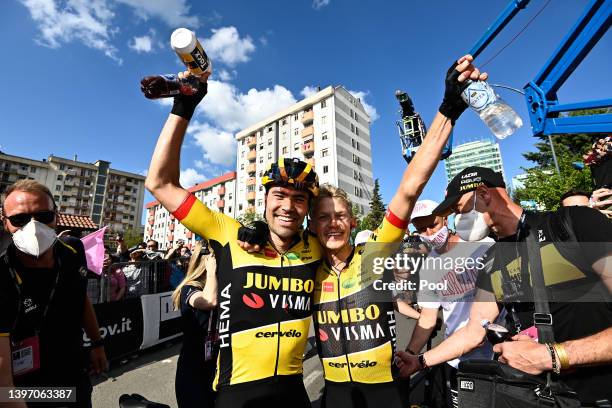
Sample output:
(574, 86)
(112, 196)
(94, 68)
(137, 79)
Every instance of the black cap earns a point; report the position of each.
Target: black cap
(469, 179)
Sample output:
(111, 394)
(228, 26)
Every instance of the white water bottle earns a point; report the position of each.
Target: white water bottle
(497, 114)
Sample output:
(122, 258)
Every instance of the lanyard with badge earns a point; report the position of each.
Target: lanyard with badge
(25, 354)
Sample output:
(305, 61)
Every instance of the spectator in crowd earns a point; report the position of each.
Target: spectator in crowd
(122, 253)
(575, 197)
(456, 300)
(134, 273)
(185, 252)
(43, 300)
(196, 298)
(115, 278)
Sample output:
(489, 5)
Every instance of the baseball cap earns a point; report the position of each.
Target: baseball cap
(469, 179)
(423, 208)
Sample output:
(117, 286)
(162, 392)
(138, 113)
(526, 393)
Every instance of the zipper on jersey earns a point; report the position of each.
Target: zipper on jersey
(278, 326)
(344, 341)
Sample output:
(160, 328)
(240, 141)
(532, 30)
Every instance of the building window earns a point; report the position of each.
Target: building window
(59, 177)
(356, 117)
(356, 130)
(357, 145)
(259, 203)
(295, 132)
(324, 152)
(351, 113)
(353, 143)
(357, 191)
(325, 169)
(356, 159)
(296, 147)
(355, 174)
(323, 104)
(352, 128)
(270, 142)
(261, 159)
(324, 136)
(229, 196)
(270, 129)
(295, 116)
(242, 166)
(58, 188)
(261, 146)
(285, 150)
(269, 155)
(284, 122)
(323, 120)
(32, 169)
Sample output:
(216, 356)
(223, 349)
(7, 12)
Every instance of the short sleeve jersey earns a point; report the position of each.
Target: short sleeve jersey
(265, 299)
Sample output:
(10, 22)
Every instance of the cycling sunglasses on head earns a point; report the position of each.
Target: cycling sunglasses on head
(20, 220)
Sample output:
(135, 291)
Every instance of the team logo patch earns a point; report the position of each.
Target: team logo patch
(328, 286)
(253, 300)
(270, 253)
(322, 335)
(292, 256)
(349, 283)
(466, 385)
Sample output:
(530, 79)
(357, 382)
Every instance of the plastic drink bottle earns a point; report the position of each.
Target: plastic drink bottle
(190, 51)
(165, 86)
(495, 113)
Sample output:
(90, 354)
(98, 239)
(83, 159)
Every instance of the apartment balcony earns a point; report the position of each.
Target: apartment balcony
(251, 141)
(251, 181)
(220, 203)
(308, 148)
(252, 169)
(189, 235)
(252, 155)
(170, 237)
(171, 227)
(221, 190)
(308, 117)
(308, 131)
(251, 195)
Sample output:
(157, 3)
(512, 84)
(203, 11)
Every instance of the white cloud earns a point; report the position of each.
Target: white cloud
(307, 91)
(190, 177)
(175, 13)
(226, 75)
(225, 45)
(87, 21)
(141, 44)
(218, 146)
(231, 110)
(199, 164)
(319, 4)
(370, 110)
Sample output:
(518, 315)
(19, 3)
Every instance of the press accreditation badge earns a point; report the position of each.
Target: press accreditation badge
(26, 356)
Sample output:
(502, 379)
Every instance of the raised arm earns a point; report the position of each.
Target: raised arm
(421, 168)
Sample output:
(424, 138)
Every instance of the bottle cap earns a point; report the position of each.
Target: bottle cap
(183, 41)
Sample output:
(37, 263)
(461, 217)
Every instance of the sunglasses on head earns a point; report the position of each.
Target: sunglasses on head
(20, 220)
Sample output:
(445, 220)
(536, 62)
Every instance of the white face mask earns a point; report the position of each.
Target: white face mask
(471, 226)
(438, 239)
(35, 238)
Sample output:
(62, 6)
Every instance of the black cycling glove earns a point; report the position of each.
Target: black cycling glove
(255, 234)
(453, 105)
(185, 105)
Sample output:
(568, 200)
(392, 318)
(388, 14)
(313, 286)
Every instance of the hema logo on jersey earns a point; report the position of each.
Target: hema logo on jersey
(466, 385)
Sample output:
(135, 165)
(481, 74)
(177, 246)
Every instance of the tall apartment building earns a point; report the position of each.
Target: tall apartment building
(110, 197)
(484, 153)
(217, 194)
(329, 129)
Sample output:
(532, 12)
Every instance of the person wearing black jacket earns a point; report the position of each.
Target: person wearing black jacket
(196, 297)
(582, 356)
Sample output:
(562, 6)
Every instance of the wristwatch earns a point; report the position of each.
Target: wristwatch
(422, 362)
(97, 343)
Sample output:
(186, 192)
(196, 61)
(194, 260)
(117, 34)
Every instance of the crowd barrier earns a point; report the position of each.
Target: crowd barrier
(144, 316)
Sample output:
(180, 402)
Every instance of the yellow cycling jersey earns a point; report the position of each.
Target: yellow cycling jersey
(354, 322)
(265, 299)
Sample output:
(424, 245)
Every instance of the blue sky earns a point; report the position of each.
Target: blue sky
(71, 71)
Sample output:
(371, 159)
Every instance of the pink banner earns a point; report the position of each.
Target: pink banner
(94, 250)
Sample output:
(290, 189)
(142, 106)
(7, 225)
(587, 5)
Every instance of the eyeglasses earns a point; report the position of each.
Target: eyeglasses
(19, 220)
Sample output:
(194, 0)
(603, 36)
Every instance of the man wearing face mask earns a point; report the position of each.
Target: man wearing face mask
(43, 301)
(582, 354)
(455, 299)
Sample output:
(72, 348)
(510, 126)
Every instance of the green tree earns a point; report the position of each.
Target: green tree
(132, 237)
(377, 210)
(249, 217)
(543, 184)
(359, 218)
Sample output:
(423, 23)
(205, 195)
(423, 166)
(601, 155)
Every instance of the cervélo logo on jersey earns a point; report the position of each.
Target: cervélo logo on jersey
(288, 333)
(360, 364)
